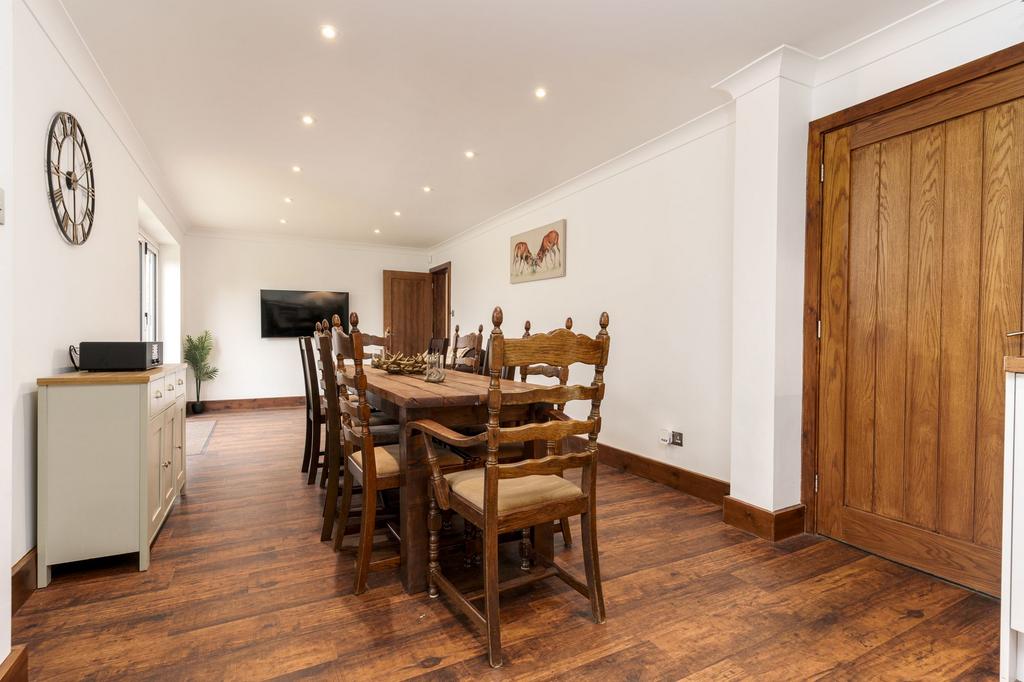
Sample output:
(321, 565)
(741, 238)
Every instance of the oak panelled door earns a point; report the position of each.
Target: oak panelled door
(408, 310)
(923, 225)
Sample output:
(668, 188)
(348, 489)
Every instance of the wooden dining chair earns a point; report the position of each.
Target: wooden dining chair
(385, 429)
(439, 345)
(307, 449)
(505, 497)
(562, 374)
(470, 359)
(362, 461)
(317, 457)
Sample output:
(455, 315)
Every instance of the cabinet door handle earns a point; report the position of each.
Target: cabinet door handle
(166, 464)
(181, 382)
(159, 395)
(170, 387)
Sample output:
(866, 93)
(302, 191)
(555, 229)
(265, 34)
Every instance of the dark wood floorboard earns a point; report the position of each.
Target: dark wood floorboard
(240, 587)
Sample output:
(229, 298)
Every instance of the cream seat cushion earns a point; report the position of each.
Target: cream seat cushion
(514, 494)
(386, 457)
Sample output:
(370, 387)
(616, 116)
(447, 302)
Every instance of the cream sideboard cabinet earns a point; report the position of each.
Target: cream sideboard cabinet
(111, 464)
(1011, 631)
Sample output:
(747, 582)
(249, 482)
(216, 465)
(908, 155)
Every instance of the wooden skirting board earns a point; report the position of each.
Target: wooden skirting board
(235, 404)
(773, 526)
(705, 487)
(23, 580)
(14, 668)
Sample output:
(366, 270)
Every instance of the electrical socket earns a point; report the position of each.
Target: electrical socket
(670, 437)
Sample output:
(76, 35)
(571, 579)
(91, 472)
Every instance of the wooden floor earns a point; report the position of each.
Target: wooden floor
(241, 588)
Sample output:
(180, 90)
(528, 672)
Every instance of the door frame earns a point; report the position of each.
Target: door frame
(817, 129)
(448, 295)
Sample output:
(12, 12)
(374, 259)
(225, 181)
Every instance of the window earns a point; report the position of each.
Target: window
(148, 269)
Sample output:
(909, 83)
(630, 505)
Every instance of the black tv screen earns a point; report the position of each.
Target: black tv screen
(295, 313)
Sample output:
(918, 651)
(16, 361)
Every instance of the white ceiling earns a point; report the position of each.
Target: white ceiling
(216, 89)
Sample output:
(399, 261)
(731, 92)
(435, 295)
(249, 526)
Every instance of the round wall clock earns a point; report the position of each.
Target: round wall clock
(72, 186)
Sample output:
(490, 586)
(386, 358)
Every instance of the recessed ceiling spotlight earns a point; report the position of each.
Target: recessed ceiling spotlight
(470, 154)
(287, 200)
(427, 188)
(307, 120)
(283, 221)
(540, 93)
(329, 32)
(296, 169)
(377, 231)
(398, 213)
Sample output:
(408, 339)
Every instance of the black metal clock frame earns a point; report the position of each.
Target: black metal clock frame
(73, 188)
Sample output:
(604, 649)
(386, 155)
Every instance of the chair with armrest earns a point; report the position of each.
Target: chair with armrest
(504, 497)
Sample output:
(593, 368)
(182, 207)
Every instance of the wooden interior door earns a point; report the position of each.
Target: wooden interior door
(408, 310)
(442, 305)
(923, 226)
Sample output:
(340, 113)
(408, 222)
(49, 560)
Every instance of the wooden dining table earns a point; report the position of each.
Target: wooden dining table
(461, 400)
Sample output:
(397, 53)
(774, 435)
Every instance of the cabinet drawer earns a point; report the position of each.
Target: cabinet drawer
(157, 396)
(180, 377)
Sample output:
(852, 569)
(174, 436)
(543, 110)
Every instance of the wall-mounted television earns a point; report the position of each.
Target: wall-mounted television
(285, 314)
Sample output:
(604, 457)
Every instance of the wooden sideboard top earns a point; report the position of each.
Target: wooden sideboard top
(109, 378)
(1013, 363)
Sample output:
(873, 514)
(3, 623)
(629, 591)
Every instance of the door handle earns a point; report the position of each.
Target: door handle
(1020, 333)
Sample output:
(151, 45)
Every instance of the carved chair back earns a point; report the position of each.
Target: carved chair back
(439, 345)
(559, 348)
(352, 404)
(472, 360)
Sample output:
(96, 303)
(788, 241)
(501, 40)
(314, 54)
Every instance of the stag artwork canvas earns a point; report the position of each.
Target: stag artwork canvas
(538, 253)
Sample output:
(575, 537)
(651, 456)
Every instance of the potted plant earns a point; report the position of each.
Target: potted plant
(197, 356)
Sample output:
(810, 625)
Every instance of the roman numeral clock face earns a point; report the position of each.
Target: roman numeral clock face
(72, 186)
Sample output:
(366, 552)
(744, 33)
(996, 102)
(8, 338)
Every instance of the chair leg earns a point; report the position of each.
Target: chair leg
(434, 526)
(524, 549)
(326, 471)
(491, 596)
(314, 454)
(563, 525)
(589, 530)
(346, 506)
(470, 538)
(331, 500)
(308, 447)
(366, 529)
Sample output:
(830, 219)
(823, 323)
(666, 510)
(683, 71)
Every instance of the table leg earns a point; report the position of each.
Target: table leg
(413, 510)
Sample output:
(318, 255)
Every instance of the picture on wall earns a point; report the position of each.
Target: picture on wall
(538, 253)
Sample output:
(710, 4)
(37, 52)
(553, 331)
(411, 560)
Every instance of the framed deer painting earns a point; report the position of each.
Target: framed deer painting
(538, 253)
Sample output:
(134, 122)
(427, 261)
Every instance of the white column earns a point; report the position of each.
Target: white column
(6, 313)
(773, 103)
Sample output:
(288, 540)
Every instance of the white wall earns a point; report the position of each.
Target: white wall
(6, 332)
(649, 240)
(66, 294)
(222, 281)
(936, 40)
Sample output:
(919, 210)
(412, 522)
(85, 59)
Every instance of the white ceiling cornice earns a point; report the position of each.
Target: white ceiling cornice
(56, 23)
(260, 238)
(785, 61)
